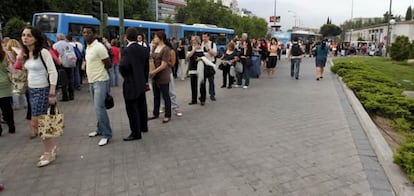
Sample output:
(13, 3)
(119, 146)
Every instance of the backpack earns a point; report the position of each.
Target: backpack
(111, 55)
(78, 54)
(68, 57)
(296, 50)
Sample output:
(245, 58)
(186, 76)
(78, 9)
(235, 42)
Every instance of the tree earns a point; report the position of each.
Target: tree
(13, 28)
(208, 12)
(400, 49)
(409, 14)
(387, 17)
(330, 30)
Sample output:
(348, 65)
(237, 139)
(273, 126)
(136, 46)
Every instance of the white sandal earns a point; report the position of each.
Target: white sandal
(47, 159)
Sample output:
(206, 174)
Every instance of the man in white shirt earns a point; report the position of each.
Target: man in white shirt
(210, 51)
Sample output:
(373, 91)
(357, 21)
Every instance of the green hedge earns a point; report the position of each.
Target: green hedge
(381, 96)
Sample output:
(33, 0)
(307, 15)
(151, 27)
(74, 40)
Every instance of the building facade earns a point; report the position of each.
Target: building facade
(378, 33)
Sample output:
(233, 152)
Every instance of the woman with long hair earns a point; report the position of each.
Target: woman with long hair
(161, 76)
(272, 59)
(6, 92)
(42, 79)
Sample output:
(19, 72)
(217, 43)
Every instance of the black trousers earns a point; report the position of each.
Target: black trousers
(137, 115)
(68, 87)
(194, 89)
(7, 111)
(226, 72)
(164, 90)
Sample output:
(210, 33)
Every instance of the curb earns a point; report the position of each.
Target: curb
(398, 179)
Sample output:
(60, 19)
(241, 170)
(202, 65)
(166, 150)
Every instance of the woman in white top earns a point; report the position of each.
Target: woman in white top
(42, 79)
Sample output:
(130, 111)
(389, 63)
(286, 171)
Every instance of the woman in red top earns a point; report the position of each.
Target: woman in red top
(114, 71)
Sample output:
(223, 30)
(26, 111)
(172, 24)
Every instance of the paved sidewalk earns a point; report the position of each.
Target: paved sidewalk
(279, 137)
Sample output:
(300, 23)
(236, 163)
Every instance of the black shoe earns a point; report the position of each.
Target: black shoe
(1, 131)
(12, 129)
(192, 103)
(317, 78)
(321, 77)
(229, 87)
(202, 103)
(213, 98)
(223, 86)
(297, 78)
(71, 98)
(145, 131)
(152, 118)
(130, 138)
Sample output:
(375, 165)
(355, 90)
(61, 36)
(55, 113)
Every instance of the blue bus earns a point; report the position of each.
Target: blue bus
(52, 23)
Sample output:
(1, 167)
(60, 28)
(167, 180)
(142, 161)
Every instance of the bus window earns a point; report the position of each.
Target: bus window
(76, 29)
(47, 23)
(149, 39)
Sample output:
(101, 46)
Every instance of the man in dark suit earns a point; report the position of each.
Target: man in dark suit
(134, 68)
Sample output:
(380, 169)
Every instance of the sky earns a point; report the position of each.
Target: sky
(314, 13)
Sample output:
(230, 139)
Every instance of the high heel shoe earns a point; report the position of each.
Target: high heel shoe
(54, 153)
(47, 158)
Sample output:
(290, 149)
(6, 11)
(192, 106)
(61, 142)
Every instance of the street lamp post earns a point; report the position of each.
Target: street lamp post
(388, 30)
(352, 16)
(275, 15)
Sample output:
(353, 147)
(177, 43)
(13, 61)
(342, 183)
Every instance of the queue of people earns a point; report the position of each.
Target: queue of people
(143, 66)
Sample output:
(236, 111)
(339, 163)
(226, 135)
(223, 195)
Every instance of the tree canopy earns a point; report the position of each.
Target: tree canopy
(409, 14)
(196, 11)
(208, 12)
(330, 30)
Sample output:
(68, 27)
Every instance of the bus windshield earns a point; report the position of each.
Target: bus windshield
(46, 23)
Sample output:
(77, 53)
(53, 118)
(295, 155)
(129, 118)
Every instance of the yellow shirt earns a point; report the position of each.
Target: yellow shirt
(95, 68)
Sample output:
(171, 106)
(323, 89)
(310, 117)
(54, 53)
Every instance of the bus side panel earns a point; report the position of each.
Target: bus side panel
(174, 31)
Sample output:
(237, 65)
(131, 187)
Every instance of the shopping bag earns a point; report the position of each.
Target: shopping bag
(51, 124)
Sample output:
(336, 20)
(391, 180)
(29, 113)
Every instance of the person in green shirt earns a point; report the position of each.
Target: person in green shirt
(322, 51)
(6, 93)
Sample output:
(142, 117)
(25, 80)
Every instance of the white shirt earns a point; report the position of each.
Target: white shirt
(208, 45)
(37, 74)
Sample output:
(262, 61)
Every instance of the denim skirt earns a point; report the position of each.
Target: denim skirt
(39, 100)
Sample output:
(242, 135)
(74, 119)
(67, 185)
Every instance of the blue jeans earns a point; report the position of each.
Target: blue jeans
(294, 67)
(114, 74)
(77, 76)
(98, 91)
(245, 75)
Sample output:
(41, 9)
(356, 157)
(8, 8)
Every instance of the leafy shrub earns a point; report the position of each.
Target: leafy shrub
(405, 158)
(381, 96)
(400, 49)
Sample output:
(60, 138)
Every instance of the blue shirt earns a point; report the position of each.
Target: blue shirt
(322, 53)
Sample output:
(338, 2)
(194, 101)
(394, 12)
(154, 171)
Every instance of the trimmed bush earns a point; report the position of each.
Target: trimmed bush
(400, 49)
(381, 96)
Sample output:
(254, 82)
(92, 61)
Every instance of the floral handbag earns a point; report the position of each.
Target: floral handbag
(51, 124)
(19, 82)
